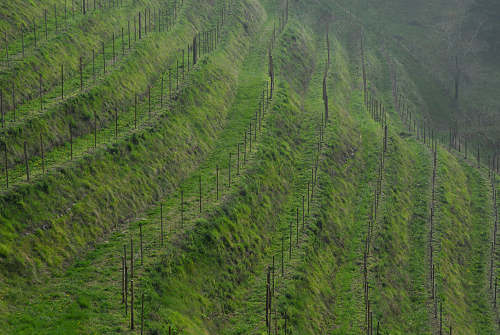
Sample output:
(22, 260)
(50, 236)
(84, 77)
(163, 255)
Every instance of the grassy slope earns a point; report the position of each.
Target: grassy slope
(463, 224)
(77, 40)
(335, 305)
(401, 268)
(199, 292)
(325, 293)
(214, 270)
(54, 126)
(87, 285)
(91, 197)
(295, 47)
(132, 73)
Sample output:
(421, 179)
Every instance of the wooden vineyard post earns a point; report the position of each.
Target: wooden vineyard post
(93, 63)
(2, 112)
(123, 279)
(103, 58)
(6, 166)
(229, 166)
(42, 153)
(132, 304)
(95, 129)
(128, 27)
(149, 102)
(140, 239)
(325, 93)
(273, 268)
(385, 138)
(22, 41)
(34, 32)
(26, 162)
(142, 314)
(131, 258)
(312, 184)
(290, 246)
(268, 301)
(113, 49)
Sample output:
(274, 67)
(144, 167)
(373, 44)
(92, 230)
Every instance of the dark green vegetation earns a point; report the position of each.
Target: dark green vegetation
(235, 205)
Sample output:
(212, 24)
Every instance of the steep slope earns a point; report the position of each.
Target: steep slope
(231, 204)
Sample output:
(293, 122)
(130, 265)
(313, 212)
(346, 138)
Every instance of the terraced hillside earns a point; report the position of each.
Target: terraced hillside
(231, 167)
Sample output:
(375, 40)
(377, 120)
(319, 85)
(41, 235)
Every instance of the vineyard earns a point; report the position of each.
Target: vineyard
(235, 167)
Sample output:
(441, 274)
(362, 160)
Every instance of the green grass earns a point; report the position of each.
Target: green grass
(67, 47)
(114, 91)
(42, 206)
(62, 236)
(87, 285)
(463, 224)
(107, 131)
